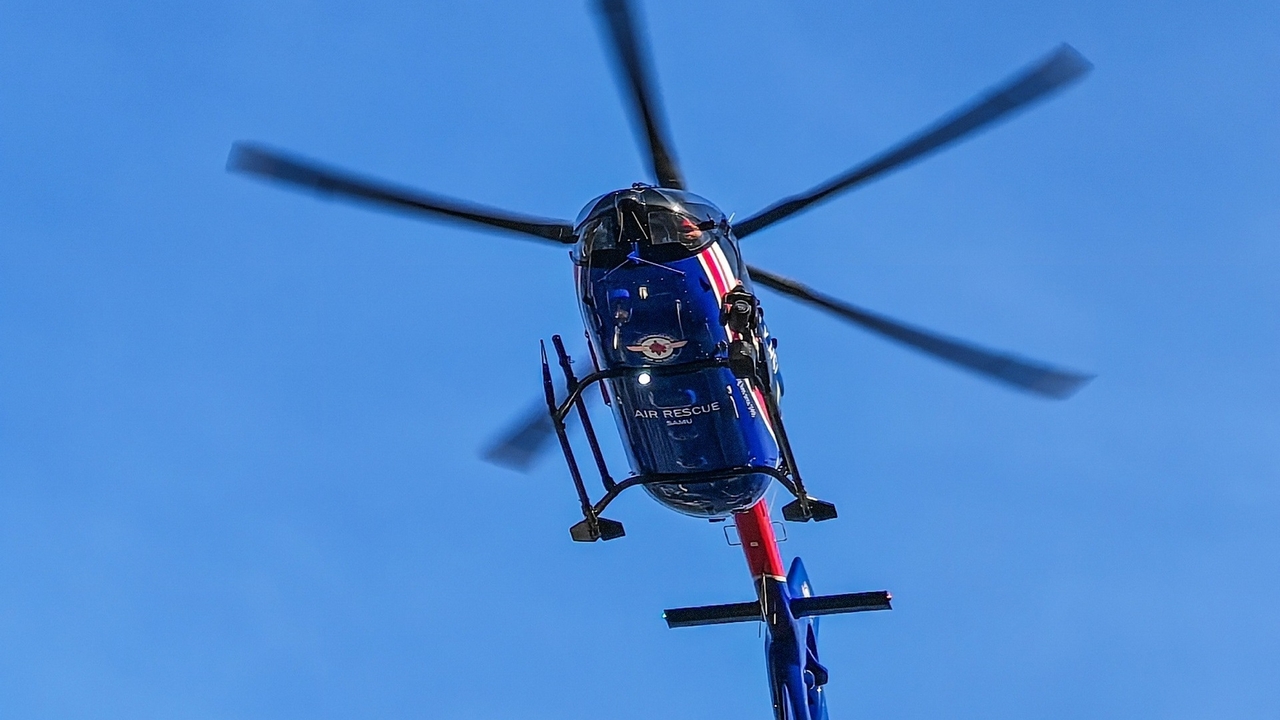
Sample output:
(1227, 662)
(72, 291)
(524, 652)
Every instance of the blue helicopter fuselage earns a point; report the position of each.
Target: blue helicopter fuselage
(653, 267)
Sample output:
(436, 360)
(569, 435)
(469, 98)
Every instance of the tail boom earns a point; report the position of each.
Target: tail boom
(787, 607)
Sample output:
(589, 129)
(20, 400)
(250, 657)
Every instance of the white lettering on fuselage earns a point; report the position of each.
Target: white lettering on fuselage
(745, 389)
(689, 411)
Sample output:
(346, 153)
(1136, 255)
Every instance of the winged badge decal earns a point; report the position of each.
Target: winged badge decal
(658, 347)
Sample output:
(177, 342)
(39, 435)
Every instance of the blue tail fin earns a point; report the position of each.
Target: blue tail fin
(798, 580)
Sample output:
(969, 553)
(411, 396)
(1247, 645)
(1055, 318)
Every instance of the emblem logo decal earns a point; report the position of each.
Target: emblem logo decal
(658, 347)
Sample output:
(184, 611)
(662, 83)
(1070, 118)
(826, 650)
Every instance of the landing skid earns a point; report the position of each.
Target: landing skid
(596, 527)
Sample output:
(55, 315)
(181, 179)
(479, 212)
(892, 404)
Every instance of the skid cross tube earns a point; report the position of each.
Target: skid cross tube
(562, 411)
(594, 527)
(694, 478)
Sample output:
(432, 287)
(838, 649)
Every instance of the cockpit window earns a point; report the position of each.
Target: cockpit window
(666, 227)
(601, 243)
(601, 234)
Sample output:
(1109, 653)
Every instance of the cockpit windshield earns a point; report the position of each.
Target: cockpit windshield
(659, 227)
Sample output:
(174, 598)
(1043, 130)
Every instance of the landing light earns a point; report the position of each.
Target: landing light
(644, 378)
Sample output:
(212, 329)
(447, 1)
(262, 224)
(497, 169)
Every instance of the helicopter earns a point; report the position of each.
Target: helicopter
(681, 354)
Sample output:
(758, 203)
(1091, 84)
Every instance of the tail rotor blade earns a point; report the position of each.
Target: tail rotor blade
(1059, 69)
(631, 58)
(1002, 367)
(269, 164)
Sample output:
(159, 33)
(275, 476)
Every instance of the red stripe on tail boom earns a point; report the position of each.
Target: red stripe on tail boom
(755, 529)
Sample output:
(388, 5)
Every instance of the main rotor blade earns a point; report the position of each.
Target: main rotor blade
(630, 56)
(262, 162)
(520, 445)
(1020, 373)
(531, 435)
(1057, 70)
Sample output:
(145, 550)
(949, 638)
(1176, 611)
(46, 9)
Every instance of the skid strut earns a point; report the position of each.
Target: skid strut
(593, 527)
(596, 527)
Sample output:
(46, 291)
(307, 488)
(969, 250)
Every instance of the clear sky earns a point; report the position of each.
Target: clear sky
(239, 427)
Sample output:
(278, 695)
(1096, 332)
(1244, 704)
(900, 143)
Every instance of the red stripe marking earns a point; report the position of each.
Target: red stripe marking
(758, 543)
(721, 288)
(726, 268)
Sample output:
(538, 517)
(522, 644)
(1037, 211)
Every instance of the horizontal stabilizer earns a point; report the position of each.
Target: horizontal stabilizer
(712, 614)
(800, 607)
(835, 604)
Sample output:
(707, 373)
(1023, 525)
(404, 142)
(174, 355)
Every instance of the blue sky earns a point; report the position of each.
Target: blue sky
(239, 427)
